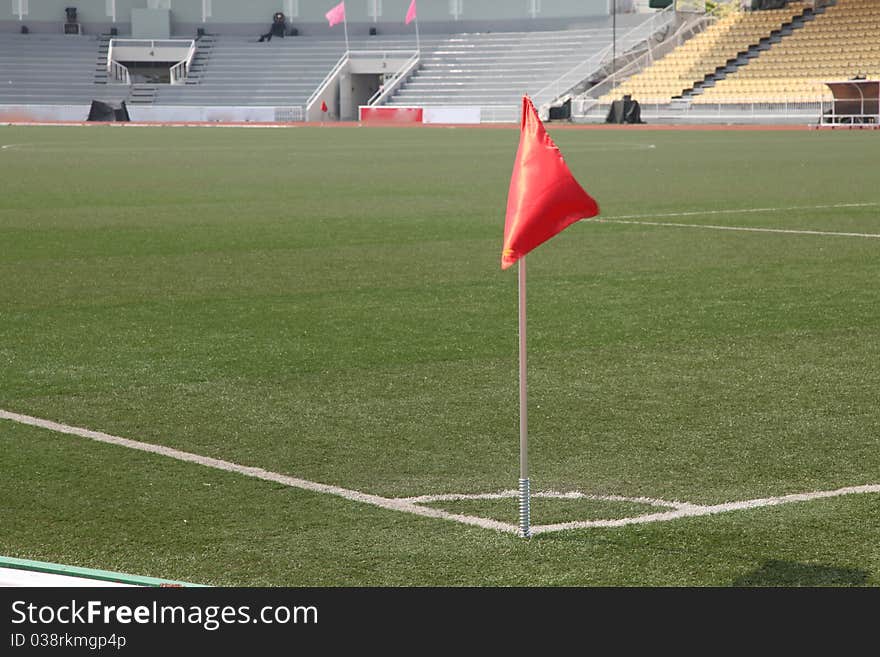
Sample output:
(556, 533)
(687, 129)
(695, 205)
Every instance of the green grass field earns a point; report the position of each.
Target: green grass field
(328, 304)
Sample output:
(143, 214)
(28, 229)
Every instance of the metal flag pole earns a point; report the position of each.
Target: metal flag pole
(524, 493)
(345, 28)
(418, 43)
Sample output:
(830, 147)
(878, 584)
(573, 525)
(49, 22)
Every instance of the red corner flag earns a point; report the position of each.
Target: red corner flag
(544, 197)
(323, 106)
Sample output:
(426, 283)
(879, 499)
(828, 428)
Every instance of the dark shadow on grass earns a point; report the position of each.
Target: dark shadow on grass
(790, 573)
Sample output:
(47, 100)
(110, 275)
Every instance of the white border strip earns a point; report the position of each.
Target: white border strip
(413, 504)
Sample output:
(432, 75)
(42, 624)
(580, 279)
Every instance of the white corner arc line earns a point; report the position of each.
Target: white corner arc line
(744, 229)
(549, 494)
(695, 510)
(411, 504)
(260, 473)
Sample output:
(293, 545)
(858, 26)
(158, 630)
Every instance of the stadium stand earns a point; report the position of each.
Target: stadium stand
(244, 72)
(736, 35)
(839, 44)
(490, 70)
(45, 69)
(493, 71)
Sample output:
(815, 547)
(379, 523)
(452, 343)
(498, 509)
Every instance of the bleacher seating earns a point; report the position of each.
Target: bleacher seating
(724, 40)
(490, 70)
(244, 72)
(51, 69)
(838, 45)
(494, 70)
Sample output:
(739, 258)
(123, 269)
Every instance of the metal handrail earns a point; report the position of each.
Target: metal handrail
(118, 73)
(580, 71)
(390, 86)
(729, 108)
(326, 81)
(109, 55)
(180, 70)
(151, 43)
(640, 63)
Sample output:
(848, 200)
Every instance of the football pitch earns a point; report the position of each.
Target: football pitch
(308, 336)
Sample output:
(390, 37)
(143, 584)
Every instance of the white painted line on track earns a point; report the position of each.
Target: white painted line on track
(414, 506)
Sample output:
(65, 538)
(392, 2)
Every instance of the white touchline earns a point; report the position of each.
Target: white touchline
(413, 504)
(701, 213)
(744, 229)
(259, 473)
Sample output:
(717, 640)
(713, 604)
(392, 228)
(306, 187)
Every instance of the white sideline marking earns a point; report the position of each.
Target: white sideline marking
(702, 213)
(259, 473)
(743, 229)
(413, 504)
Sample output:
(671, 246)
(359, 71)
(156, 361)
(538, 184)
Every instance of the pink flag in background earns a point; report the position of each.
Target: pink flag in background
(336, 15)
(411, 12)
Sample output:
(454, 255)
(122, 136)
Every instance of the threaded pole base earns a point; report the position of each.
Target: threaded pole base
(525, 527)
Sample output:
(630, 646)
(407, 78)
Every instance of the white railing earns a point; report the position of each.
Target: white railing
(501, 113)
(152, 44)
(328, 79)
(684, 32)
(180, 70)
(574, 76)
(290, 114)
(810, 110)
(117, 73)
(571, 78)
(391, 85)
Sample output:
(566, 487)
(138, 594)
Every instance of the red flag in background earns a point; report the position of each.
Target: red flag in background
(411, 12)
(323, 106)
(544, 197)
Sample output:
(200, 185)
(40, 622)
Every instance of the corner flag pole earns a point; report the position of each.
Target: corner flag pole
(543, 199)
(524, 493)
(418, 43)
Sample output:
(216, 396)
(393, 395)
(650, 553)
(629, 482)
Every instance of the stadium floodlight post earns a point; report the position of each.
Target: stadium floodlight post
(525, 529)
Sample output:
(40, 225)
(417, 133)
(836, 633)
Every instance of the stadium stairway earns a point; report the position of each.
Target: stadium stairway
(743, 58)
(494, 70)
